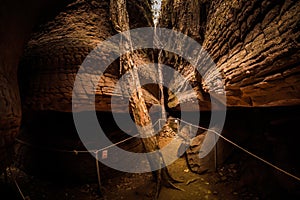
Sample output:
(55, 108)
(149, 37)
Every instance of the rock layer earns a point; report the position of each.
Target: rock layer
(16, 22)
(56, 51)
(255, 45)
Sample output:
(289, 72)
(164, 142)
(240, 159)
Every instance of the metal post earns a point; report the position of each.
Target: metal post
(216, 152)
(98, 173)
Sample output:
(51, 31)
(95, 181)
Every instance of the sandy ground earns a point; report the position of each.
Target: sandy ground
(130, 186)
(223, 184)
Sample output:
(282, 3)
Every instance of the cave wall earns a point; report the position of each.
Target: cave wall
(17, 20)
(49, 147)
(57, 49)
(47, 72)
(255, 45)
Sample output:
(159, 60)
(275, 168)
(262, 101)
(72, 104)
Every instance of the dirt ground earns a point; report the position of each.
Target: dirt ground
(229, 182)
(207, 186)
(214, 185)
(225, 183)
(222, 184)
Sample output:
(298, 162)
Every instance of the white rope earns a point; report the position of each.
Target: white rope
(16, 184)
(76, 152)
(196, 126)
(243, 149)
(79, 151)
(115, 144)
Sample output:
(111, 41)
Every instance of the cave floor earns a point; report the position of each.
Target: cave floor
(213, 185)
(223, 184)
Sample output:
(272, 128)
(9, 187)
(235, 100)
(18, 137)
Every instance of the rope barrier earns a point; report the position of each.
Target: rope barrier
(243, 149)
(196, 126)
(76, 151)
(96, 152)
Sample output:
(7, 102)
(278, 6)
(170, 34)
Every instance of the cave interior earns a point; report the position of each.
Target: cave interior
(209, 103)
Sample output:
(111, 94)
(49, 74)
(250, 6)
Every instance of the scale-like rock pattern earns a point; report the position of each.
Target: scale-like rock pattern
(56, 51)
(16, 22)
(48, 69)
(255, 45)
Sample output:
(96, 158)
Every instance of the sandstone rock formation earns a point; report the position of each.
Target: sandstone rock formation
(58, 48)
(255, 45)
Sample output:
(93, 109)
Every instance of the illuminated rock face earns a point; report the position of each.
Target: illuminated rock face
(69, 30)
(255, 45)
(16, 22)
(48, 68)
(56, 51)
